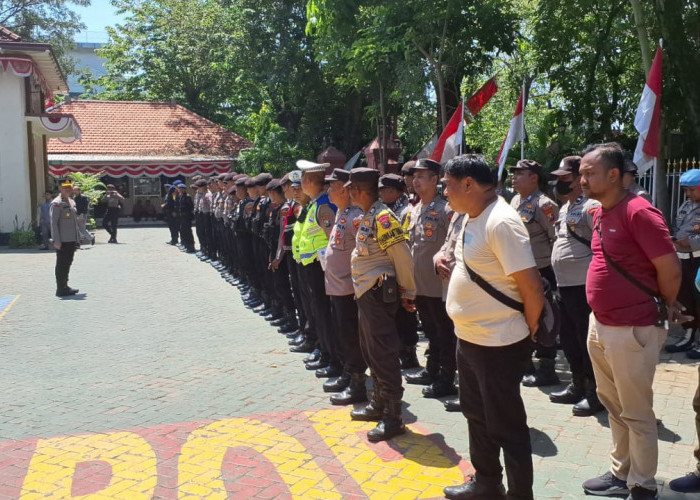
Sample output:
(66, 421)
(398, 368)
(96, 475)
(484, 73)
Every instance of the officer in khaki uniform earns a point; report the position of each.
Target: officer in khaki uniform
(629, 180)
(686, 239)
(539, 213)
(392, 193)
(65, 235)
(427, 231)
(571, 257)
(382, 275)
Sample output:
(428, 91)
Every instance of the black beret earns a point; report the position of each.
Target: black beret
(200, 183)
(242, 180)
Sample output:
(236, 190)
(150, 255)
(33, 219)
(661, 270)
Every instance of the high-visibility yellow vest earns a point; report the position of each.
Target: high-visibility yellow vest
(296, 237)
(313, 237)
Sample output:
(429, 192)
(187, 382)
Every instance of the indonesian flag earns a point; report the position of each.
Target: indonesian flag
(447, 146)
(648, 115)
(515, 133)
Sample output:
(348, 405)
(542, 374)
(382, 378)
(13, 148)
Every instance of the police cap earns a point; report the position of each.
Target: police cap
(363, 174)
(568, 165)
(338, 174)
(427, 164)
(392, 181)
(530, 165)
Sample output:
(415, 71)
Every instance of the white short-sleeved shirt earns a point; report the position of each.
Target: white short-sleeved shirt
(495, 244)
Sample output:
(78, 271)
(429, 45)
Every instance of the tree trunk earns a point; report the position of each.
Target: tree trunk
(642, 35)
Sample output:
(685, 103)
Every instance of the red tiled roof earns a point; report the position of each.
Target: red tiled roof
(8, 36)
(133, 128)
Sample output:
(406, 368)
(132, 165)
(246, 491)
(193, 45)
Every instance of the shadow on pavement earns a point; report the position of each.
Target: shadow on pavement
(542, 444)
(413, 447)
(77, 296)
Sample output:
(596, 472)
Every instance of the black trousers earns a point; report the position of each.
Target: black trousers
(542, 352)
(174, 227)
(283, 287)
(314, 280)
(292, 267)
(207, 232)
(186, 234)
(199, 229)
(407, 326)
(489, 394)
(64, 259)
(110, 222)
(574, 329)
(380, 342)
(345, 323)
(440, 330)
(688, 295)
(310, 327)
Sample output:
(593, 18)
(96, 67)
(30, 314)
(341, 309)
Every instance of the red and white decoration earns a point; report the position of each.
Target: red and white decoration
(22, 67)
(60, 125)
(648, 116)
(516, 133)
(169, 170)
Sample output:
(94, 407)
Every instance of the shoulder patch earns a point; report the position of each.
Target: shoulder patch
(548, 211)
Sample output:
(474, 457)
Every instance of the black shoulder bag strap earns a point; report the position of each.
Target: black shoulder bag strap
(579, 238)
(492, 291)
(620, 270)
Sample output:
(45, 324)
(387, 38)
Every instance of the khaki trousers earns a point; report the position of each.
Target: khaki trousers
(624, 362)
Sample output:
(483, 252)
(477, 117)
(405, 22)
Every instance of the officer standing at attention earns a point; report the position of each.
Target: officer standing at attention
(382, 276)
(111, 217)
(169, 207)
(65, 235)
(571, 257)
(427, 232)
(687, 242)
(407, 174)
(315, 230)
(342, 294)
(539, 213)
(392, 193)
(185, 213)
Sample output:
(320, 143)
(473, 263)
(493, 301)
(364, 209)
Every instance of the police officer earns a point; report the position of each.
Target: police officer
(571, 256)
(629, 180)
(170, 210)
(198, 219)
(407, 174)
(539, 213)
(111, 216)
(65, 235)
(185, 213)
(686, 238)
(382, 275)
(428, 231)
(392, 193)
(339, 288)
(315, 230)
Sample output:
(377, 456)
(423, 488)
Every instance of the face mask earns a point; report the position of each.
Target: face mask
(564, 188)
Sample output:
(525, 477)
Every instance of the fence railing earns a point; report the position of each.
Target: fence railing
(675, 169)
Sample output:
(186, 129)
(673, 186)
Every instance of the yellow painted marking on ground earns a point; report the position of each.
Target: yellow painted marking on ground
(422, 472)
(9, 306)
(293, 463)
(133, 462)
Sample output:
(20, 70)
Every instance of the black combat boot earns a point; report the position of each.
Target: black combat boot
(573, 393)
(443, 386)
(337, 384)
(373, 412)
(408, 357)
(422, 377)
(355, 392)
(391, 424)
(544, 375)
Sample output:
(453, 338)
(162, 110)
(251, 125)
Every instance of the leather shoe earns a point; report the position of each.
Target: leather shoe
(337, 384)
(298, 340)
(287, 328)
(572, 394)
(588, 406)
(307, 346)
(420, 378)
(452, 405)
(291, 335)
(328, 371)
(473, 490)
(386, 429)
(373, 412)
(440, 389)
(321, 362)
(312, 357)
(278, 321)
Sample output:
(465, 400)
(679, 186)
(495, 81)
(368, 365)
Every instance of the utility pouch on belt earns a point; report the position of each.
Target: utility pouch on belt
(390, 290)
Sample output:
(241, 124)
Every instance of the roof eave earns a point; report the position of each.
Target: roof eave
(39, 48)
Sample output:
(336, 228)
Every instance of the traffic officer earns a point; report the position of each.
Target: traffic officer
(315, 229)
(629, 180)
(110, 220)
(65, 235)
(686, 238)
(382, 276)
(539, 213)
(339, 288)
(571, 256)
(427, 231)
(392, 193)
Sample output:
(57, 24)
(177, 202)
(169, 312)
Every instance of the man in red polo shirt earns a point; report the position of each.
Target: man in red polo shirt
(633, 261)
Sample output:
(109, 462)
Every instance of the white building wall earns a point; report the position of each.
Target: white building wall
(14, 155)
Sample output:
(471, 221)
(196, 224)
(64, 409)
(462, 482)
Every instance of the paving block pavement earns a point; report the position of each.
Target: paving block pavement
(156, 382)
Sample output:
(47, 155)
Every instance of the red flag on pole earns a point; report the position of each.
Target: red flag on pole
(482, 96)
(515, 134)
(648, 116)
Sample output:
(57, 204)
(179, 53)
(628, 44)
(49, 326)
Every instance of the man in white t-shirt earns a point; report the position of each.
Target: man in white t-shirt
(494, 340)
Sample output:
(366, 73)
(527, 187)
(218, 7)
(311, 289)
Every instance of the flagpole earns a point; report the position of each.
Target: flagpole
(653, 183)
(461, 141)
(522, 141)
